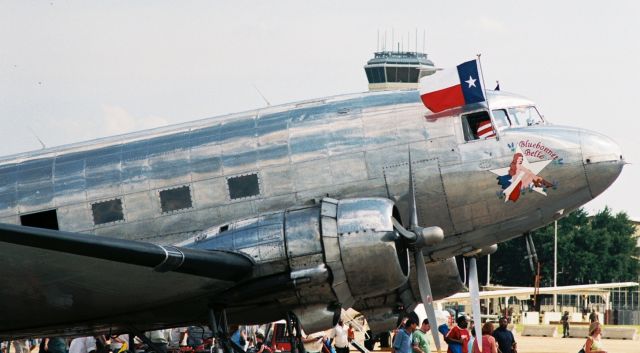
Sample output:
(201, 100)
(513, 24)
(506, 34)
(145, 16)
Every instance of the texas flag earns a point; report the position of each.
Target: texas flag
(452, 87)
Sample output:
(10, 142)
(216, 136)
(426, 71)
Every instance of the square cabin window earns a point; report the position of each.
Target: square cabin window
(175, 199)
(243, 186)
(107, 211)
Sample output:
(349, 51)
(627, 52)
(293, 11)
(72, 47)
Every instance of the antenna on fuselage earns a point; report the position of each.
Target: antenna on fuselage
(262, 95)
(37, 138)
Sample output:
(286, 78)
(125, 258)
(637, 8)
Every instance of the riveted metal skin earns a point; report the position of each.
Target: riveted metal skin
(348, 154)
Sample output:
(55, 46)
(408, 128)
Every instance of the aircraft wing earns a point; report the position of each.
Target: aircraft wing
(528, 291)
(55, 282)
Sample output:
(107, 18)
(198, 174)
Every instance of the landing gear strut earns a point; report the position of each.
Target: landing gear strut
(295, 339)
(220, 329)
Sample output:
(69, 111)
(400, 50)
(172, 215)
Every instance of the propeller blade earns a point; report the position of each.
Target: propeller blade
(474, 291)
(426, 296)
(408, 235)
(412, 194)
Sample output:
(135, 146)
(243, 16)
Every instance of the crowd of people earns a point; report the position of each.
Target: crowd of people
(408, 338)
(460, 338)
(161, 340)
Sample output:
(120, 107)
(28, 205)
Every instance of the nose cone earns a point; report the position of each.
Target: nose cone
(602, 160)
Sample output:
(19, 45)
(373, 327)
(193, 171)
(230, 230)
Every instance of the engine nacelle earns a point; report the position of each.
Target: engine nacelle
(367, 244)
(337, 251)
(318, 317)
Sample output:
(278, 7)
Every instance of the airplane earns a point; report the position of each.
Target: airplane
(293, 211)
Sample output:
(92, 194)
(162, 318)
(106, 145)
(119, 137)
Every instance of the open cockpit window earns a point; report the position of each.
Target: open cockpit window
(477, 126)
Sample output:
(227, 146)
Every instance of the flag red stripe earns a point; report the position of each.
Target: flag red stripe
(443, 99)
(485, 130)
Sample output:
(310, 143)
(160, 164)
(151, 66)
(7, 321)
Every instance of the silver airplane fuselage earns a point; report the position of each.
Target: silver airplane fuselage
(235, 172)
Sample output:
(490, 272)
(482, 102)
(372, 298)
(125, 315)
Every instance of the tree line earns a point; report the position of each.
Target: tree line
(591, 249)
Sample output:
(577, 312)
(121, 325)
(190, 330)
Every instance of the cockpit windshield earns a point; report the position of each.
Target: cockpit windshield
(525, 116)
(517, 117)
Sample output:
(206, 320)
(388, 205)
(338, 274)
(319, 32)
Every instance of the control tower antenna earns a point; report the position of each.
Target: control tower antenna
(384, 42)
(424, 39)
(393, 37)
(378, 41)
(416, 47)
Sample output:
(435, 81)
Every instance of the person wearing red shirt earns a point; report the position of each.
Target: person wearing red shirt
(458, 337)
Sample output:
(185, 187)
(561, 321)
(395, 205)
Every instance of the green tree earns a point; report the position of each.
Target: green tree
(590, 249)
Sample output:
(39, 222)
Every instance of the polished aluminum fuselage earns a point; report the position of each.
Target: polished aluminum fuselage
(324, 178)
(346, 146)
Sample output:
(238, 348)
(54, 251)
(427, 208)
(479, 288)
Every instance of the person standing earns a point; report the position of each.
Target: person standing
(402, 342)
(488, 342)
(458, 337)
(593, 317)
(420, 341)
(593, 343)
(261, 347)
(83, 345)
(160, 338)
(565, 324)
(340, 338)
(504, 337)
(53, 345)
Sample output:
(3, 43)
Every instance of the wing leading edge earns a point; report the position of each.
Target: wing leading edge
(65, 283)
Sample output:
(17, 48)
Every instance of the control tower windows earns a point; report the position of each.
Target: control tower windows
(414, 74)
(375, 74)
(391, 74)
(402, 74)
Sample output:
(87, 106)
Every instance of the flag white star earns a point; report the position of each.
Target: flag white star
(471, 81)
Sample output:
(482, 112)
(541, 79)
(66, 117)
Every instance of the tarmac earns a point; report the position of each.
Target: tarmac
(529, 344)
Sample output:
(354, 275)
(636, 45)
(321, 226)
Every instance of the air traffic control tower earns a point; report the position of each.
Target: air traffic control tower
(390, 70)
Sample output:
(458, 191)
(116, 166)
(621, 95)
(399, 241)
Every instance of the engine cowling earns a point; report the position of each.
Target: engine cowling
(335, 252)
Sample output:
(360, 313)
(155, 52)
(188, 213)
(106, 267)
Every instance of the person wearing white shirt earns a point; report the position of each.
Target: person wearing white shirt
(83, 345)
(340, 338)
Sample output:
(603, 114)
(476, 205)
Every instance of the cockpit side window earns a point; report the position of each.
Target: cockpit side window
(501, 119)
(525, 116)
(477, 126)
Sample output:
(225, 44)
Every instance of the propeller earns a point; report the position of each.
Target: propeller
(474, 292)
(416, 238)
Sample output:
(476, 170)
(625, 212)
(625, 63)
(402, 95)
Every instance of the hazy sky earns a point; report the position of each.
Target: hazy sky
(76, 70)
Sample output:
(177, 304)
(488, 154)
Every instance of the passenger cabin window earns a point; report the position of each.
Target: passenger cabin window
(107, 211)
(477, 126)
(243, 186)
(175, 199)
(44, 219)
